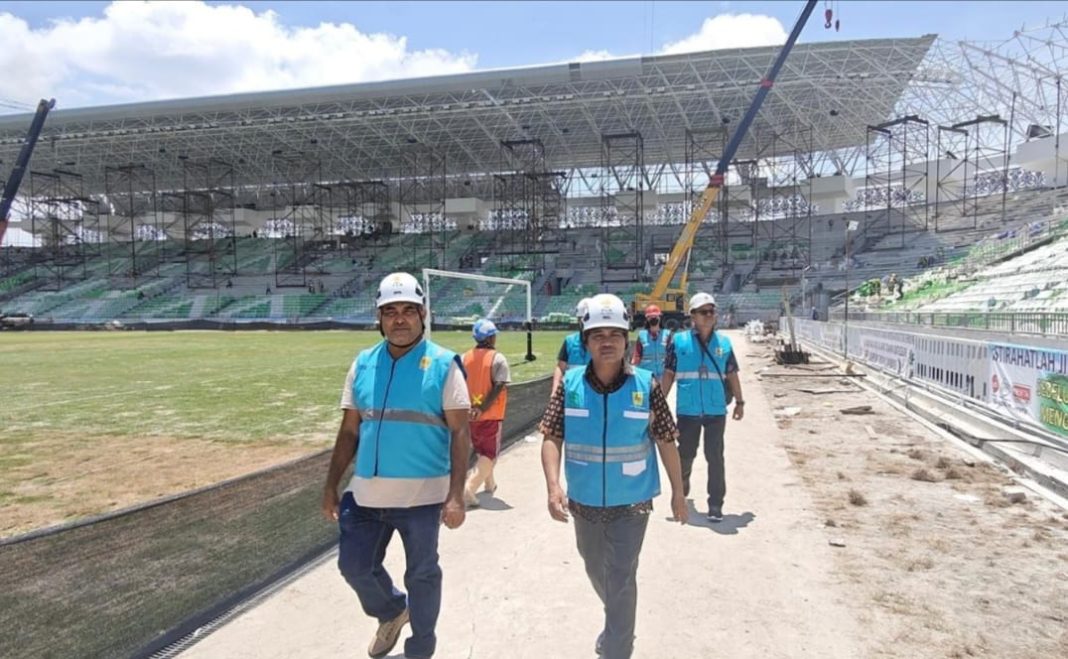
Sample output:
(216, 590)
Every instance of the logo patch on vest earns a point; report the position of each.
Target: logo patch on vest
(637, 398)
(573, 398)
(424, 363)
(719, 351)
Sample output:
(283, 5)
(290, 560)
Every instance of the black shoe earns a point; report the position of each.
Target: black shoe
(715, 515)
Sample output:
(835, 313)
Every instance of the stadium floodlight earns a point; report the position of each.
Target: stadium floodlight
(495, 298)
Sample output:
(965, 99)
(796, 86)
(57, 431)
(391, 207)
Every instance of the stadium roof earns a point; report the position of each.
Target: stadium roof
(364, 131)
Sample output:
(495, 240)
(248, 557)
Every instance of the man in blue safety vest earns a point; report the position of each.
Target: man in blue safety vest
(703, 365)
(605, 420)
(405, 422)
(572, 351)
(651, 346)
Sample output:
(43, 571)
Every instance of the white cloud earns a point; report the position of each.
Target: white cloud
(716, 33)
(593, 56)
(731, 31)
(142, 51)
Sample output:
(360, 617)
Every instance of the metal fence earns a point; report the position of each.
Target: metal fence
(1036, 323)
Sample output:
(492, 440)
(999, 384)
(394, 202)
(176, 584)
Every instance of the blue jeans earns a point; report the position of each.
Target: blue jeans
(365, 534)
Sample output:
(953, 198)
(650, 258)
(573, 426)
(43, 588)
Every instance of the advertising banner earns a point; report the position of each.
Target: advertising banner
(1030, 384)
(889, 355)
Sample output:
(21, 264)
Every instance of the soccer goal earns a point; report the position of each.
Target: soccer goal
(459, 298)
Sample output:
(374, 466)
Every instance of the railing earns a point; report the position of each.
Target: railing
(1039, 323)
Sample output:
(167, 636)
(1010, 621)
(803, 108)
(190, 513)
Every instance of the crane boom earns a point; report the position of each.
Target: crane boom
(662, 293)
(11, 188)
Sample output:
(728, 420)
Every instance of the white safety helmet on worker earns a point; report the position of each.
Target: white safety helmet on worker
(580, 308)
(701, 299)
(606, 310)
(399, 287)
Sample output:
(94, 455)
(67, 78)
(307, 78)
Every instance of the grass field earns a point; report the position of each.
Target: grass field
(96, 420)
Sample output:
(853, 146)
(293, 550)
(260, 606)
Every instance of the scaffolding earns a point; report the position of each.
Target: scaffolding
(208, 223)
(781, 192)
(133, 225)
(68, 224)
(973, 162)
(622, 206)
(421, 200)
(528, 205)
(702, 153)
(896, 173)
(298, 224)
(362, 215)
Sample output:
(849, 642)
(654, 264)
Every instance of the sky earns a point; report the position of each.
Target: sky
(96, 53)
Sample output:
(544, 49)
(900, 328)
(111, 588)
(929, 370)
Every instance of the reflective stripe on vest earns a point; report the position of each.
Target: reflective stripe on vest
(653, 351)
(403, 433)
(699, 386)
(576, 352)
(609, 456)
(478, 362)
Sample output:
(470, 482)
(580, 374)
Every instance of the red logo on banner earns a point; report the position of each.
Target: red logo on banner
(1021, 393)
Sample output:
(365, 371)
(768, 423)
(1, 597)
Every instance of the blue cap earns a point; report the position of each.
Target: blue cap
(483, 329)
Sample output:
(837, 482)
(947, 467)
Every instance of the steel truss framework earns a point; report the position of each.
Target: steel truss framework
(622, 190)
(69, 224)
(359, 132)
(202, 215)
(421, 189)
(896, 177)
(1020, 78)
(132, 204)
(970, 154)
(299, 219)
(834, 91)
(781, 193)
(362, 213)
(528, 204)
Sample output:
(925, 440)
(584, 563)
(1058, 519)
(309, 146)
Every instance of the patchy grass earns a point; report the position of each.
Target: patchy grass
(92, 421)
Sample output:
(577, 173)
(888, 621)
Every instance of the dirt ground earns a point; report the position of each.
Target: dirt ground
(938, 559)
(64, 479)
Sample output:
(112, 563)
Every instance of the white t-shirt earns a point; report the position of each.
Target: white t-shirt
(379, 492)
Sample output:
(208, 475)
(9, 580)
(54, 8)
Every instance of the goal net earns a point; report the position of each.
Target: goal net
(459, 298)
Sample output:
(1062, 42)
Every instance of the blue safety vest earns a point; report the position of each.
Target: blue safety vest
(653, 351)
(609, 456)
(700, 390)
(577, 355)
(403, 433)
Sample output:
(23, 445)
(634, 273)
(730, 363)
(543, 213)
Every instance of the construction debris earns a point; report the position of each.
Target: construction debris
(862, 409)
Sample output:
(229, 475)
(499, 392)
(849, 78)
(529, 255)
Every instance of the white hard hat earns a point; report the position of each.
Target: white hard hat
(399, 287)
(701, 299)
(606, 310)
(580, 308)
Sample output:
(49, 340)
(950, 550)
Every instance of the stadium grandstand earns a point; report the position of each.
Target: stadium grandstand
(281, 207)
(892, 235)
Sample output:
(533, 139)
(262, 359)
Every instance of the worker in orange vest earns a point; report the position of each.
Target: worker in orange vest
(487, 383)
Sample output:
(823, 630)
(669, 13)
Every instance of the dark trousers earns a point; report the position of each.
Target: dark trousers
(610, 551)
(365, 535)
(689, 437)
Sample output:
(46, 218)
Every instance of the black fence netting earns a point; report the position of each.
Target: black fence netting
(127, 584)
(113, 587)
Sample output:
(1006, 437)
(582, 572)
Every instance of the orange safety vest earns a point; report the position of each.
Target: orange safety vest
(478, 362)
